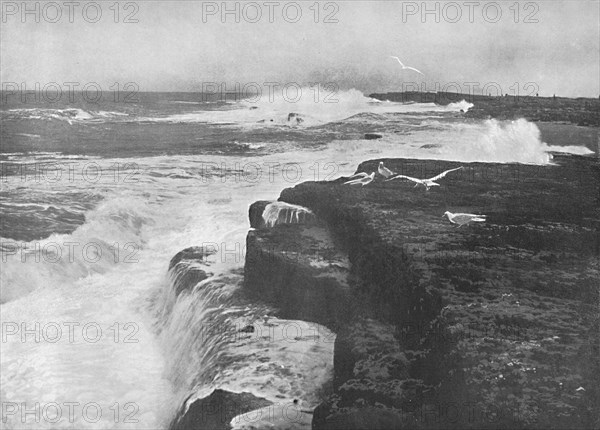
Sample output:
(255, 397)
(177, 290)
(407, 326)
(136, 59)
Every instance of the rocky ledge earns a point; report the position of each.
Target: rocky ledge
(580, 111)
(254, 370)
(487, 325)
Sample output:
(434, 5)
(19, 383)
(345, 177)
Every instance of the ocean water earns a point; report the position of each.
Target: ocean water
(96, 198)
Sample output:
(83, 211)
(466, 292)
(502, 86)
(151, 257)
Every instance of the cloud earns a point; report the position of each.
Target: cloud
(171, 48)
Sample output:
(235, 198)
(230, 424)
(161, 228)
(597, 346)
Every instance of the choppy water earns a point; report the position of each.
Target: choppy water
(96, 199)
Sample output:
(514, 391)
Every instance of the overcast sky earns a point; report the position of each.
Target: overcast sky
(170, 48)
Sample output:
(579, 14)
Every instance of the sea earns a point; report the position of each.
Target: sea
(97, 196)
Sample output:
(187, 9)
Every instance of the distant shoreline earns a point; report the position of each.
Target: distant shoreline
(580, 111)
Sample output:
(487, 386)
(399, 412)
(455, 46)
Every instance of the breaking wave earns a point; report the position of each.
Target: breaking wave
(70, 115)
(285, 213)
(303, 107)
(307, 107)
(94, 247)
(517, 141)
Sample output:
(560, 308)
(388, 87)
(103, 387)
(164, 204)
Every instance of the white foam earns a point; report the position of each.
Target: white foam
(293, 214)
(571, 149)
(69, 115)
(492, 141)
(313, 108)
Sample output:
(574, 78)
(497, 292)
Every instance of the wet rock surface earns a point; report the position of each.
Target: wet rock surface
(298, 269)
(188, 268)
(488, 325)
(216, 411)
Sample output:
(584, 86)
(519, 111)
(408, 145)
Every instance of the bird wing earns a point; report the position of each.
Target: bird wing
(469, 217)
(397, 59)
(364, 179)
(359, 175)
(360, 181)
(441, 175)
(412, 68)
(405, 177)
(355, 181)
(461, 218)
(384, 171)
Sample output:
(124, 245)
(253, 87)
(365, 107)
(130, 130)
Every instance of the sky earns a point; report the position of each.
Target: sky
(545, 47)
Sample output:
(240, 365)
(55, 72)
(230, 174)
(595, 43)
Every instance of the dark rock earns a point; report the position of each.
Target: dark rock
(247, 329)
(430, 146)
(501, 316)
(581, 111)
(295, 116)
(356, 418)
(368, 349)
(372, 136)
(255, 213)
(216, 411)
(371, 378)
(298, 269)
(287, 215)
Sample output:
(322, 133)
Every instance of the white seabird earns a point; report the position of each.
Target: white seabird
(462, 219)
(363, 180)
(406, 67)
(427, 183)
(384, 171)
(359, 175)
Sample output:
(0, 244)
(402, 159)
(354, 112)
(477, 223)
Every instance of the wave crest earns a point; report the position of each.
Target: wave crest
(489, 141)
(285, 213)
(308, 107)
(70, 115)
(112, 234)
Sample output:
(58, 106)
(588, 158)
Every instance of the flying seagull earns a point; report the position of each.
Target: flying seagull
(462, 219)
(384, 171)
(406, 67)
(363, 179)
(427, 183)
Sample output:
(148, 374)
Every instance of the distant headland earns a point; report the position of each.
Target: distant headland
(580, 111)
